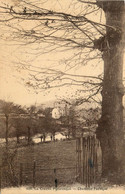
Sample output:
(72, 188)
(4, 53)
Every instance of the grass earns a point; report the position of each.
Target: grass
(53, 160)
(60, 155)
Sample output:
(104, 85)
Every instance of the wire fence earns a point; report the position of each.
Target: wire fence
(33, 175)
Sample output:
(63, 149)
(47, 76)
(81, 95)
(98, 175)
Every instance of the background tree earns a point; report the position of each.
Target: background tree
(78, 32)
(12, 113)
(2, 128)
(30, 121)
(70, 120)
(18, 124)
(7, 109)
(79, 118)
(48, 124)
(47, 121)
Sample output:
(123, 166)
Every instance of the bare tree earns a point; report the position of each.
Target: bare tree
(10, 111)
(29, 121)
(7, 109)
(18, 125)
(66, 30)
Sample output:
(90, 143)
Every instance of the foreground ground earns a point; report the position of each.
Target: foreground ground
(38, 166)
(53, 160)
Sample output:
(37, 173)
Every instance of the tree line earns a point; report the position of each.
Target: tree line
(17, 121)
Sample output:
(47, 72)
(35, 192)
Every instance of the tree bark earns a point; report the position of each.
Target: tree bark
(18, 137)
(110, 128)
(7, 128)
(29, 135)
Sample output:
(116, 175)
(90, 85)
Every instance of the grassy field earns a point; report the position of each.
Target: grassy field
(53, 160)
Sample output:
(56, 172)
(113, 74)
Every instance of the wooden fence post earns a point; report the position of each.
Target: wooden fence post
(88, 160)
(77, 160)
(21, 174)
(0, 178)
(56, 181)
(34, 173)
(81, 154)
(83, 160)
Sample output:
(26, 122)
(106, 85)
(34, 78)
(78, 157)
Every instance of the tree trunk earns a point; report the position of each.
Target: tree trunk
(7, 127)
(53, 136)
(110, 129)
(73, 131)
(29, 135)
(17, 136)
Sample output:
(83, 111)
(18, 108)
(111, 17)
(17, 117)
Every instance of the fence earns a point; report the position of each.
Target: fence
(31, 174)
(87, 170)
(89, 160)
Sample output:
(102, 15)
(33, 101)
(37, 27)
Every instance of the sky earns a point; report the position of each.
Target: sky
(12, 88)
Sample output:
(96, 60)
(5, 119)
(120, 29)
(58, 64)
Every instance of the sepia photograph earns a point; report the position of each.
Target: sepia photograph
(62, 105)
